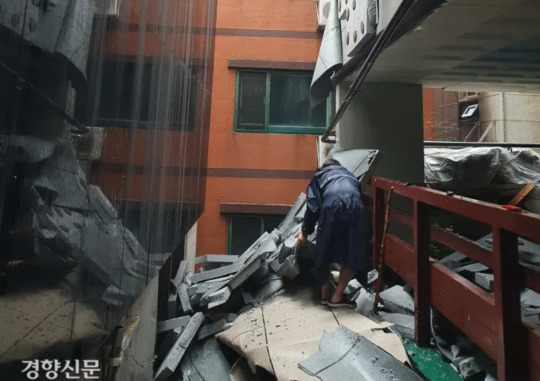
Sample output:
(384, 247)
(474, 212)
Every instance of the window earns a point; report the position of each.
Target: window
(117, 96)
(246, 229)
(277, 102)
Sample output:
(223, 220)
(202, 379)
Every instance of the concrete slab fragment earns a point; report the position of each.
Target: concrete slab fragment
(396, 299)
(167, 325)
(184, 299)
(180, 274)
(173, 358)
(216, 258)
(484, 280)
(217, 273)
(214, 328)
(403, 323)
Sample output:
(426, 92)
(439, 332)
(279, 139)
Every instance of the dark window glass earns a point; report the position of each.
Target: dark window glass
(244, 230)
(271, 222)
(118, 90)
(251, 101)
(117, 95)
(289, 102)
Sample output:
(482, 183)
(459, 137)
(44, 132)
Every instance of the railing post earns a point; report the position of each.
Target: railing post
(512, 359)
(378, 222)
(422, 295)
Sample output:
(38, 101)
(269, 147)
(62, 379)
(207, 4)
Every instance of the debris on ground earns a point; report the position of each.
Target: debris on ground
(346, 355)
(277, 326)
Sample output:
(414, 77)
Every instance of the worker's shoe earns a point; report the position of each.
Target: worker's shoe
(343, 303)
(324, 302)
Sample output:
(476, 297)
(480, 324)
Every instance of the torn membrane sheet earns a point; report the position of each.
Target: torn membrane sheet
(286, 329)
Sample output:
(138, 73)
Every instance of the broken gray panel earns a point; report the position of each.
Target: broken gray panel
(244, 274)
(403, 323)
(28, 149)
(345, 355)
(170, 339)
(184, 299)
(204, 287)
(246, 256)
(61, 175)
(472, 268)
(172, 306)
(180, 273)
(222, 296)
(484, 280)
(214, 328)
(167, 325)
(289, 222)
(267, 246)
(289, 268)
(216, 258)
(101, 204)
(206, 362)
(530, 298)
(217, 273)
(352, 287)
(455, 260)
(276, 236)
(364, 302)
(396, 299)
(218, 298)
(173, 358)
(361, 162)
(272, 285)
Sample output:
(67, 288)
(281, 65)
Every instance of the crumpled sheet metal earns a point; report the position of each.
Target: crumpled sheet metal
(330, 57)
(288, 327)
(361, 162)
(346, 355)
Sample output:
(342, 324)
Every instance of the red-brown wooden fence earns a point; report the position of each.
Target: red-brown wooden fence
(490, 319)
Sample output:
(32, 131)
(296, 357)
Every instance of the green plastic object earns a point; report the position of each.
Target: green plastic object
(430, 363)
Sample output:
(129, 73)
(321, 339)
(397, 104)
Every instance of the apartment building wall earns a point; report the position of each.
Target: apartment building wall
(255, 173)
(515, 117)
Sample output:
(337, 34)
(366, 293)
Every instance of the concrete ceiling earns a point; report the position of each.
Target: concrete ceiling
(469, 45)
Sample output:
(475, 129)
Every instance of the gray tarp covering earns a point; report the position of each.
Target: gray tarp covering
(330, 57)
(470, 168)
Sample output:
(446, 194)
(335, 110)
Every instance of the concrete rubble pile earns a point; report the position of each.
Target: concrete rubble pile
(74, 224)
(225, 285)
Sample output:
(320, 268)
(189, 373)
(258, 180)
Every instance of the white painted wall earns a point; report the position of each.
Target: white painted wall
(387, 117)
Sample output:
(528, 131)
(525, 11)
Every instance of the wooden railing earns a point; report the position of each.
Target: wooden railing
(492, 320)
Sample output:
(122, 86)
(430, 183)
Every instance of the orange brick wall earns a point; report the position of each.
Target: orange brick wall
(231, 150)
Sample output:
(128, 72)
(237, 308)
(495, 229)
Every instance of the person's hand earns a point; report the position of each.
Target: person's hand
(301, 238)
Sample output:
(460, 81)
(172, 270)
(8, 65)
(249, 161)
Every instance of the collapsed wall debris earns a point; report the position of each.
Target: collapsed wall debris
(75, 223)
(226, 284)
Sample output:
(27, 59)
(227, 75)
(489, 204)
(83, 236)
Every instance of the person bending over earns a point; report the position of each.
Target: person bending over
(333, 200)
